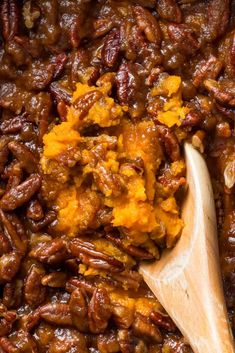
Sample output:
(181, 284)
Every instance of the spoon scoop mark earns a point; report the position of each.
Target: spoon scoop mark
(187, 280)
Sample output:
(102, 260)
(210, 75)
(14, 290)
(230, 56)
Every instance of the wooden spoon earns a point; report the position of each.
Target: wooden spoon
(187, 279)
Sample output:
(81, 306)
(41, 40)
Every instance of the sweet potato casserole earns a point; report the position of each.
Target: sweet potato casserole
(96, 100)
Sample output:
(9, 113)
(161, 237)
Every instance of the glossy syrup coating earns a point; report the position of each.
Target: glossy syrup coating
(96, 100)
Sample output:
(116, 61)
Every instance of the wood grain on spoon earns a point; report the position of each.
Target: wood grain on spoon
(187, 280)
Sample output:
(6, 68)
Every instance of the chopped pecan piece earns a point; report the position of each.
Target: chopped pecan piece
(12, 294)
(163, 321)
(69, 340)
(108, 343)
(143, 328)
(126, 341)
(193, 118)
(170, 142)
(4, 152)
(7, 318)
(35, 211)
(55, 280)
(169, 10)
(5, 245)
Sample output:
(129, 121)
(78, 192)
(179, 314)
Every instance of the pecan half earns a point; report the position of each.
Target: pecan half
(127, 83)
(99, 311)
(86, 252)
(184, 37)
(132, 250)
(56, 313)
(14, 174)
(111, 49)
(218, 18)
(205, 69)
(36, 226)
(59, 62)
(127, 278)
(6, 345)
(223, 91)
(74, 283)
(13, 125)
(34, 292)
(170, 142)
(60, 93)
(9, 266)
(16, 236)
(79, 310)
(17, 196)
(52, 252)
(148, 24)
(84, 103)
(31, 13)
(9, 18)
(26, 158)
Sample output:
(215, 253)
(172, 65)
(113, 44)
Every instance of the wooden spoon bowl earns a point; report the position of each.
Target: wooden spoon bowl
(187, 279)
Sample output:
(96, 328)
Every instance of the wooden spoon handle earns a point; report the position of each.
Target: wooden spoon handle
(187, 280)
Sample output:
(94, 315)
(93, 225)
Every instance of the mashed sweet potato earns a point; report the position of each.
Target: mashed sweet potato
(173, 111)
(114, 171)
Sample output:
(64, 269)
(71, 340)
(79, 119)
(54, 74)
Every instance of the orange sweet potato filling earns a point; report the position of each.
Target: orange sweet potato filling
(115, 171)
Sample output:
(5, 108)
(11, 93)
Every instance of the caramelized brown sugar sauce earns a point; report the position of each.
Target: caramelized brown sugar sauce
(96, 101)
